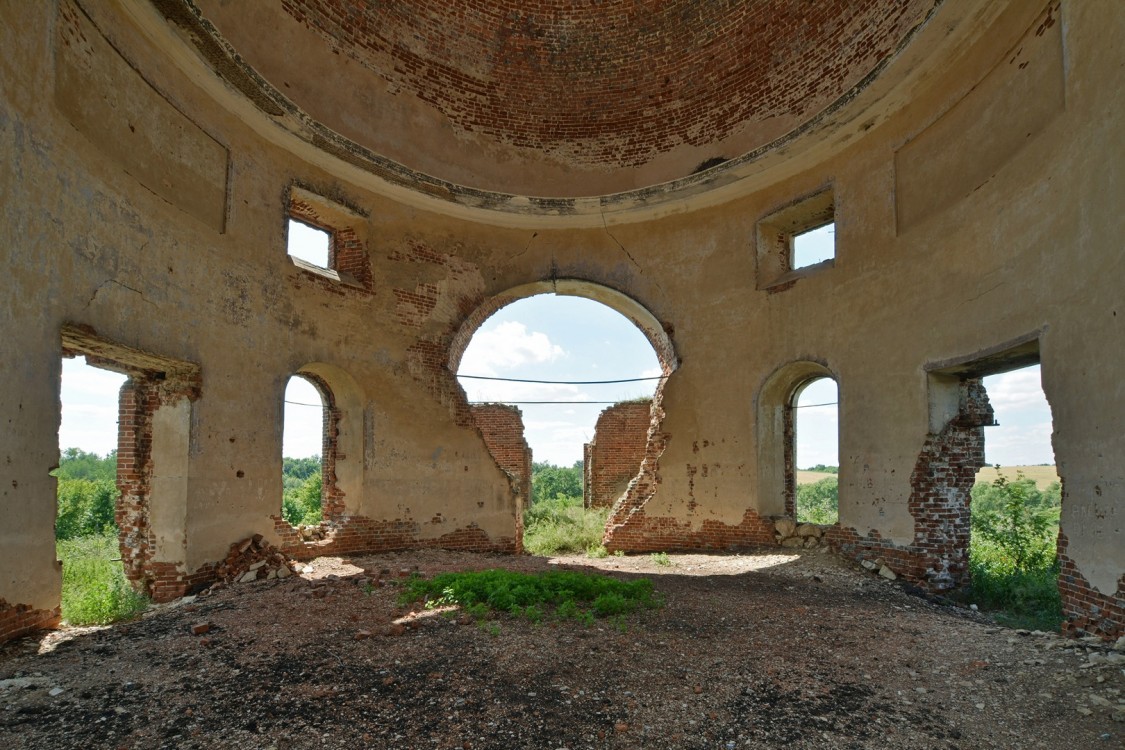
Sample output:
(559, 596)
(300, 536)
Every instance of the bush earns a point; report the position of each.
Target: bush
(562, 525)
(818, 502)
(1013, 517)
(1013, 563)
(95, 591)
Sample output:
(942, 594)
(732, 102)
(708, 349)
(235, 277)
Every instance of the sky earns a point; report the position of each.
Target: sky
(549, 337)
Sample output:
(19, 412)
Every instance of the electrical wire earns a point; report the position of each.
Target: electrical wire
(563, 382)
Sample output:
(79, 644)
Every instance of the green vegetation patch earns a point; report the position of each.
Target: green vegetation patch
(94, 590)
(563, 594)
(1013, 561)
(562, 525)
(818, 502)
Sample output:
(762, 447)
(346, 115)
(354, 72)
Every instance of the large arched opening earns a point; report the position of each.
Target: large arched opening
(552, 412)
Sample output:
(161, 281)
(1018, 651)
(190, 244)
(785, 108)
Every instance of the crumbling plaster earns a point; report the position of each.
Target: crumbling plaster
(1034, 247)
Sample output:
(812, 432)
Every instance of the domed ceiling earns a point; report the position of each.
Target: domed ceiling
(563, 98)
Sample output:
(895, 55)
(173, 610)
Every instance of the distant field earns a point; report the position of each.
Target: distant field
(808, 477)
(1043, 475)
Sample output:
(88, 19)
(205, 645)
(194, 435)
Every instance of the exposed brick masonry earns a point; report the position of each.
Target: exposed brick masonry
(617, 83)
(501, 426)
(614, 456)
(941, 484)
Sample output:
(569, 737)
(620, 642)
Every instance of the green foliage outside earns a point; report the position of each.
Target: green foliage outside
(564, 594)
(549, 481)
(818, 502)
(822, 469)
(94, 590)
(87, 494)
(301, 498)
(562, 525)
(1013, 561)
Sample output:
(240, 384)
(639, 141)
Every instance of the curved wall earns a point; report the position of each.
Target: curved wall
(981, 213)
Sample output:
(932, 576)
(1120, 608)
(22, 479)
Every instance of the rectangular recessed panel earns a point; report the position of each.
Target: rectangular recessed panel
(967, 145)
(130, 122)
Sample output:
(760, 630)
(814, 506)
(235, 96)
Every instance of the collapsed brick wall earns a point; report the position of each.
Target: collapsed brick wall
(20, 619)
(139, 399)
(1087, 610)
(631, 529)
(614, 456)
(941, 486)
(501, 426)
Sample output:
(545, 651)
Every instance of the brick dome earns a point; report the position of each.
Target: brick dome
(565, 97)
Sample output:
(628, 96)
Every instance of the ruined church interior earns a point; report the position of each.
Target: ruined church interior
(656, 157)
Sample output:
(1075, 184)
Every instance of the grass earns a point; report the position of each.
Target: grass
(661, 559)
(95, 591)
(565, 595)
(562, 525)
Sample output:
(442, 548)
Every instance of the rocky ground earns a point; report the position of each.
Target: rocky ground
(765, 650)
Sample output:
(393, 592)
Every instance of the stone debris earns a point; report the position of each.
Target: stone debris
(253, 559)
(792, 535)
(200, 628)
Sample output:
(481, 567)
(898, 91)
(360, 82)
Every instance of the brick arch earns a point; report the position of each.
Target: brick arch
(657, 333)
(777, 459)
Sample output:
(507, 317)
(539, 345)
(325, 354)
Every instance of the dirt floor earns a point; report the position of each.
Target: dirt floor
(750, 651)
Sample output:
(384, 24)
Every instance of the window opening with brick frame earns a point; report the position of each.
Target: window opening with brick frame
(328, 238)
(815, 424)
(310, 244)
(304, 438)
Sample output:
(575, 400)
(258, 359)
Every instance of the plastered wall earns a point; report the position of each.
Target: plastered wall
(978, 209)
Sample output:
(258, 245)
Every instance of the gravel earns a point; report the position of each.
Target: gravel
(761, 650)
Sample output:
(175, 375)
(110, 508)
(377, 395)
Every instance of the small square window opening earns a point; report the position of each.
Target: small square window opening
(309, 244)
(814, 246)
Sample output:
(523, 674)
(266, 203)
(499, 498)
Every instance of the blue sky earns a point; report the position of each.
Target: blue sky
(550, 337)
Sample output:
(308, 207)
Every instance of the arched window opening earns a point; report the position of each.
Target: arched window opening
(816, 454)
(305, 446)
(546, 355)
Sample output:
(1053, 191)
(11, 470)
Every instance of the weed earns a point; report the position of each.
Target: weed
(619, 553)
(95, 591)
(571, 595)
(562, 525)
(661, 559)
(597, 551)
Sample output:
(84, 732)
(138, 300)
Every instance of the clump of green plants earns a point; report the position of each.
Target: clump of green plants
(565, 595)
(818, 502)
(95, 590)
(1013, 561)
(661, 559)
(562, 525)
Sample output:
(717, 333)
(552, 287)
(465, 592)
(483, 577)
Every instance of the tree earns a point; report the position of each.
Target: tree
(549, 481)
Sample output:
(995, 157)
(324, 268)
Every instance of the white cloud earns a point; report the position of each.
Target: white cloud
(506, 346)
(1015, 390)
